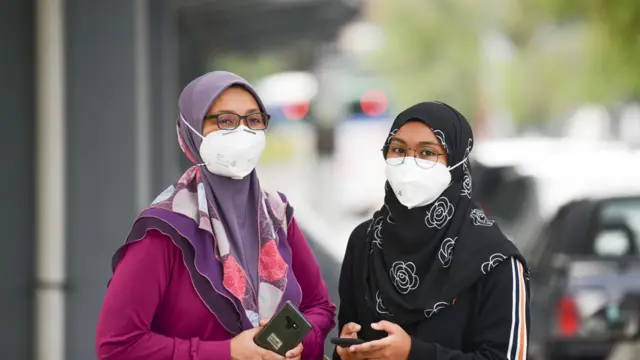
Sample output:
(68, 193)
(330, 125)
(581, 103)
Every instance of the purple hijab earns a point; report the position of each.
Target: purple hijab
(238, 199)
(230, 231)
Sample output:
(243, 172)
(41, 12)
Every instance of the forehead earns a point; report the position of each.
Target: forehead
(234, 99)
(413, 132)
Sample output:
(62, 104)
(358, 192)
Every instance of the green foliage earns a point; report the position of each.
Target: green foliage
(430, 51)
(250, 67)
(614, 44)
(566, 52)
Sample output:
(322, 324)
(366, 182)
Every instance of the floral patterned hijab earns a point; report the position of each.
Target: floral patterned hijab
(421, 259)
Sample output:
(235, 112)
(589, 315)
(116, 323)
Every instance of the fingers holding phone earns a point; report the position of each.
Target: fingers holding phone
(295, 353)
(284, 332)
(243, 347)
(270, 355)
(349, 332)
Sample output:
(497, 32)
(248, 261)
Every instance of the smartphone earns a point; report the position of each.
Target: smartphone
(284, 331)
(346, 342)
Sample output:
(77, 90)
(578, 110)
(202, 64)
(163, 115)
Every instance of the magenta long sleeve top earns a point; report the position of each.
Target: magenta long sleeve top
(152, 311)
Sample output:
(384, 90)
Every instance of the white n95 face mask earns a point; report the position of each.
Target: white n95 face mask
(415, 186)
(231, 153)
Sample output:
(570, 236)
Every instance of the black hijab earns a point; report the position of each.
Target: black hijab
(421, 259)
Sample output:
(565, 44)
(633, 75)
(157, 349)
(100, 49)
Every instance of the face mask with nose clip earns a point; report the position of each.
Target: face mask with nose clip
(417, 186)
(231, 153)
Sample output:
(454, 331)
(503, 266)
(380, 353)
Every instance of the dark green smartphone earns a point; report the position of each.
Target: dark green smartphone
(284, 331)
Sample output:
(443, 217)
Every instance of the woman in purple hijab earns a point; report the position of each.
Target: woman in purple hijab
(214, 256)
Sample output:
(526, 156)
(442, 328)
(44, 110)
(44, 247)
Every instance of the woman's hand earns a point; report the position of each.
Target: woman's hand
(293, 354)
(243, 347)
(350, 331)
(395, 346)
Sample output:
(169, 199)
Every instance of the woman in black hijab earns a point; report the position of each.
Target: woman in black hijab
(429, 276)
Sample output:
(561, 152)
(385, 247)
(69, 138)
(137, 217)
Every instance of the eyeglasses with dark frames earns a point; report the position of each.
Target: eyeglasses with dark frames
(231, 121)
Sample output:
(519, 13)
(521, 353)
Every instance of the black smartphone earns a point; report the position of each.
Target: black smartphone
(346, 342)
(284, 331)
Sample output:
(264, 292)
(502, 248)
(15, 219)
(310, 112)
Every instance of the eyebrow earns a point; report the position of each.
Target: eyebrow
(396, 139)
(250, 111)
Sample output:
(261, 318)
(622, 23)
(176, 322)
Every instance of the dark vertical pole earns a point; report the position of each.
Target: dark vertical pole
(192, 63)
(17, 214)
(165, 88)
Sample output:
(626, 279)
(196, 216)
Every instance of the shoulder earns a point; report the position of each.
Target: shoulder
(358, 237)
(151, 250)
(359, 233)
(509, 267)
(154, 241)
(279, 204)
(354, 255)
(510, 275)
(276, 196)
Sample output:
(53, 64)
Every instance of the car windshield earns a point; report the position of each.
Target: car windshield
(620, 219)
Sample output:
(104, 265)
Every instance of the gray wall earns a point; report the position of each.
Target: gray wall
(102, 139)
(101, 153)
(16, 178)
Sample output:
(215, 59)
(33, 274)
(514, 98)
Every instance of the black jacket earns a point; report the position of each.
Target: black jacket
(489, 321)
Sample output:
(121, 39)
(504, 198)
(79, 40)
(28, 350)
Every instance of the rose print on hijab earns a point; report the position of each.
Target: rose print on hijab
(403, 276)
(380, 305)
(439, 214)
(478, 217)
(468, 151)
(446, 251)
(494, 260)
(371, 222)
(389, 217)
(392, 133)
(440, 135)
(377, 232)
(466, 183)
(376, 226)
(437, 307)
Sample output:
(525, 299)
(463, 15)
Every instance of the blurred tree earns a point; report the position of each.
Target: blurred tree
(614, 51)
(546, 78)
(434, 50)
(430, 50)
(249, 67)
(564, 53)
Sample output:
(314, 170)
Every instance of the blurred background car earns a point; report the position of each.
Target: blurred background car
(585, 281)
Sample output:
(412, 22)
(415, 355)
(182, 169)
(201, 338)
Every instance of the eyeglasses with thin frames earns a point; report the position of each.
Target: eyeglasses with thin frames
(425, 157)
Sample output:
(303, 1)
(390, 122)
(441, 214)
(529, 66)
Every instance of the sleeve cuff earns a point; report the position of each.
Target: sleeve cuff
(421, 350)
(204, 350)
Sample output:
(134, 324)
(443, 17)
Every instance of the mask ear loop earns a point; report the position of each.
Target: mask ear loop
(195, 132)
(458, 164)
(455, 166)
